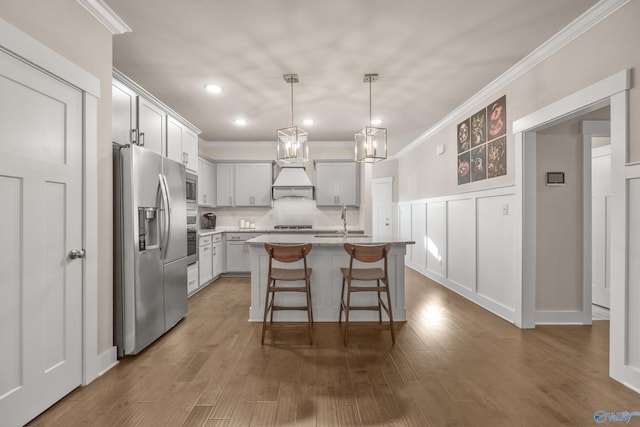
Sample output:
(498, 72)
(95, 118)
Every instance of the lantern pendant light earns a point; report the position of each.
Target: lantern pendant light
(370, 142)
(292, 145)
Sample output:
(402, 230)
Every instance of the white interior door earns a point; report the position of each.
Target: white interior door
(600, 224)
(40, 223)
(382, 206)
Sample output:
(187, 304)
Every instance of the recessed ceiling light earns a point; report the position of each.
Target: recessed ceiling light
(307, 122)
(240, 122)
(376, 122)
(213, 88)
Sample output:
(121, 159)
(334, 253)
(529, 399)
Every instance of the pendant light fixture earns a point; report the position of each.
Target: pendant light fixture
(292, 145)
(371, 142)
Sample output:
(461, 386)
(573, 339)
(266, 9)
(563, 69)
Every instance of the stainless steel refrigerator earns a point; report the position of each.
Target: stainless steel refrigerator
(150, 246)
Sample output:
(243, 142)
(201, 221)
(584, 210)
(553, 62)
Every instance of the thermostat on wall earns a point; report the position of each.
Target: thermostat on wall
(555, 178)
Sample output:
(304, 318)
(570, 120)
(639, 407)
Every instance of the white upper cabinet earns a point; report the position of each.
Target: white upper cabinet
(337, 183)
(190, 148)
(224, 184)
(139, 118)
(253, 184)
(243, 183)
(206, 183)
(174, 140)
(182, 144)
(151, 126)
(124, 121)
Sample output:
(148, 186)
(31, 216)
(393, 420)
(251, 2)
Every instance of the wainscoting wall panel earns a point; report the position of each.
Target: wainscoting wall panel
(461, 242)
(494, 249)
(404, 228)
(437, 237)
(467, 242)
(633, 295)
(418, 234)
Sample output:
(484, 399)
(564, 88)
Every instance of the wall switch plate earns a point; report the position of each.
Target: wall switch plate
(505, 209)
(440, 149)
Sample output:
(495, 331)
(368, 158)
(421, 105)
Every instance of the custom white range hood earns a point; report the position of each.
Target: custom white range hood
(292, 181)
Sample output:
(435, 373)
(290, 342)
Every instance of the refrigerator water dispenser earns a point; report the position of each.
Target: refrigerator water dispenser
(147, 228)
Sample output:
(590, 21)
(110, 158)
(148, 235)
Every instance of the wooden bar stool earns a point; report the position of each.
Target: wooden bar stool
(287, 254)
(366, 254)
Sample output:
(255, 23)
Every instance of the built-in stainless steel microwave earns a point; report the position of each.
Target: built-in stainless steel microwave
(192, 189)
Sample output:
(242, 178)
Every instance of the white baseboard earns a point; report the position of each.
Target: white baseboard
(560, 318)
(107, 360)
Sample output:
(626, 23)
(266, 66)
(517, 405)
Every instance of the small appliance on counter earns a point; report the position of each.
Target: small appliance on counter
(208, 221)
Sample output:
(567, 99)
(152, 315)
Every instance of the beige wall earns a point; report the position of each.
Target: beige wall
(559, 215)
(600, 52)
(559, 219)
(67, 28)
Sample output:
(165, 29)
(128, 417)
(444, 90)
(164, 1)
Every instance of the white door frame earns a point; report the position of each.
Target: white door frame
(614, 91)
(31, 51)
(590, 129)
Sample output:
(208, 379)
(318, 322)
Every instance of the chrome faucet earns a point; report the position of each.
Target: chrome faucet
(344, 220)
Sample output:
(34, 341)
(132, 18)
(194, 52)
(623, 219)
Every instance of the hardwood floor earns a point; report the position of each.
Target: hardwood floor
(454, 364)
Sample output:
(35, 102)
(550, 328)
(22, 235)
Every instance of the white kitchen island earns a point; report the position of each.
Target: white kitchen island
(326, 258)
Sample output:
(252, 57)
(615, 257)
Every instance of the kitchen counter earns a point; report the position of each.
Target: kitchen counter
(324, 239)
(207, 232)
(326, 258)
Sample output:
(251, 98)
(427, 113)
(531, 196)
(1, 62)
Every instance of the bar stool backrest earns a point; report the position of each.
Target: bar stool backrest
(288, 253)
(367, 253)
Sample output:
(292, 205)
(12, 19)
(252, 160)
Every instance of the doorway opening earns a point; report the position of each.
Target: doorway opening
(570, 226)
(614, 92)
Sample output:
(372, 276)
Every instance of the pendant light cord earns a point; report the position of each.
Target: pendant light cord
(291, 103)
(369, 101)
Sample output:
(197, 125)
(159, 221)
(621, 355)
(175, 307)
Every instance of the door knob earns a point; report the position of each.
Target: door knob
(76, 253)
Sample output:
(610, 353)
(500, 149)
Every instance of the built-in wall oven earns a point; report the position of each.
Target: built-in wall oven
(192, 236)
(192, 189)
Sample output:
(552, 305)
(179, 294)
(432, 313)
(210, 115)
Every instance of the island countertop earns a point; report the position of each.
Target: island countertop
(325, 239)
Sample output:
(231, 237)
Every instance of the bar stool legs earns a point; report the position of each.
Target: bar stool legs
(366, 254)
(287, 254)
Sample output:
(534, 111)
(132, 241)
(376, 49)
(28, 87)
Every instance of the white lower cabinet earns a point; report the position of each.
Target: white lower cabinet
(205, 259)
(210, 258)
(193, 279)
(218, 259)
(235, 257)
(238, 259)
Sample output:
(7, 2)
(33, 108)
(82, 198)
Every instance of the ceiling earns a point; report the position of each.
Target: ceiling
(431, 56)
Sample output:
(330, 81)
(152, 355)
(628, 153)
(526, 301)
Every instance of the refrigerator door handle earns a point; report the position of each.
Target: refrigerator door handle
(166, 200)
(162, 229)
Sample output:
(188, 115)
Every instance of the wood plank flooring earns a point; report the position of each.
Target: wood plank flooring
(454, 364)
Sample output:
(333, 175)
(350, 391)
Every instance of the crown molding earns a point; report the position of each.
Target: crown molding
(581, 24)
(106, 16)
(271, 144)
